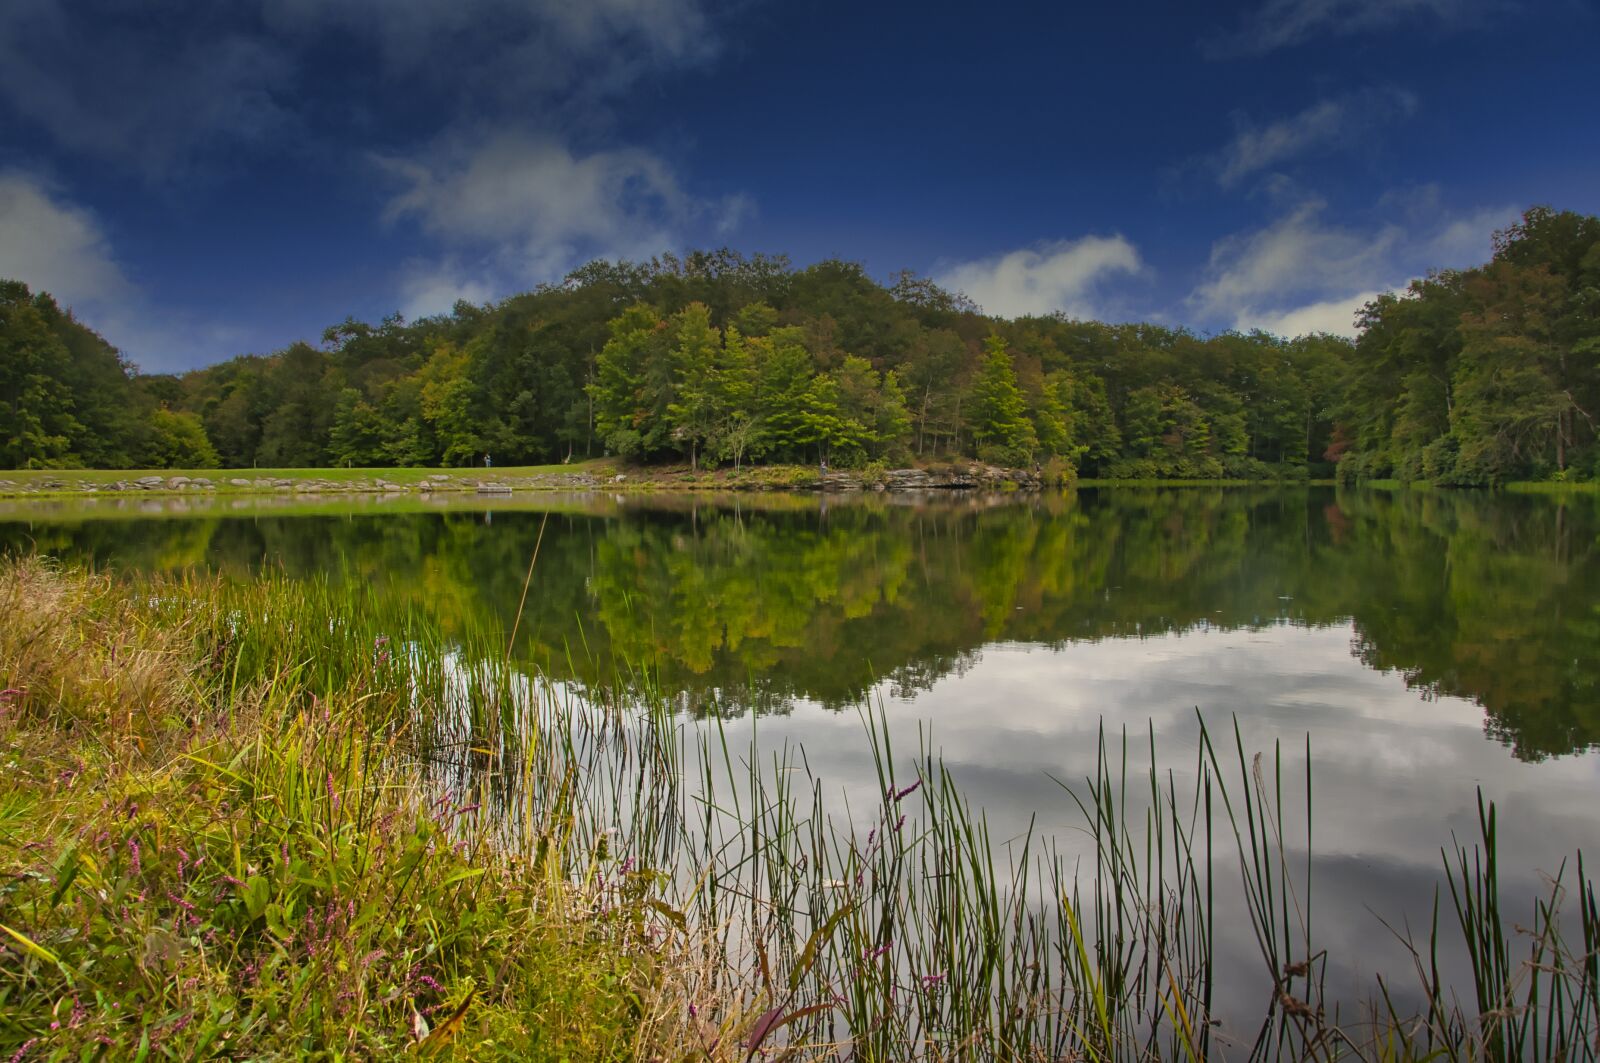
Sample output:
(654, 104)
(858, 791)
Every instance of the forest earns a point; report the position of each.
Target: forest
(1468, 377)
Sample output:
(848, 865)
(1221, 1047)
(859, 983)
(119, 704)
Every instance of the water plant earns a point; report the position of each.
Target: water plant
(274, 818)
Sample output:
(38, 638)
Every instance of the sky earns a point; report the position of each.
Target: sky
(199, 180)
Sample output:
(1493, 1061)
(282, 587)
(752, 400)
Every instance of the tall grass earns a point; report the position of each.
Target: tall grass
(273, 819)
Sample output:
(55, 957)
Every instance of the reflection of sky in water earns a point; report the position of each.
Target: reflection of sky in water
(1393, 774)
(772, 600)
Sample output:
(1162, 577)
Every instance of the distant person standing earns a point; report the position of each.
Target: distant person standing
(488, 462)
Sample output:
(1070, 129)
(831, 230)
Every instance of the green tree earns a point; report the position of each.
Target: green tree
(36, 420)
(626, 408)
(693, 409)
(295, 433)
(784, 373)
(734, 387)
(180, 442)
(1000, 422)
(447, 406)
(358, 434)
(892, 420)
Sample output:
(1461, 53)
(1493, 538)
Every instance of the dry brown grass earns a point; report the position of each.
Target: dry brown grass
(151, 781)
(73, 654)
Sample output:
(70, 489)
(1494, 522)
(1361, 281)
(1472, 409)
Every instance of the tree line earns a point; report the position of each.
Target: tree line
(715, 358)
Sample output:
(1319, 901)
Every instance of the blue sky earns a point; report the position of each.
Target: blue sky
(200, 180)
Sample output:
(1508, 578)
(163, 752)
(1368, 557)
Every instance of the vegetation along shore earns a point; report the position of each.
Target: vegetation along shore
(269, 819)
(584, 476)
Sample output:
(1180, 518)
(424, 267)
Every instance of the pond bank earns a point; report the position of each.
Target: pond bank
(585, 476)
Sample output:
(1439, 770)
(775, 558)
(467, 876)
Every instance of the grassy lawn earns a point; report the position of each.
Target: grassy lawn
(221, 477)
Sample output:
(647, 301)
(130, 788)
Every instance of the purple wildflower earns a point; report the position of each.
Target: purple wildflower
(896, 795)
(24, 1049)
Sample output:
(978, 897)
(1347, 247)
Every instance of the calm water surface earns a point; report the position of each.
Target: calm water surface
(1429, 643)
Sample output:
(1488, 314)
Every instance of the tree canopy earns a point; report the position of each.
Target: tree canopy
(1467, 377)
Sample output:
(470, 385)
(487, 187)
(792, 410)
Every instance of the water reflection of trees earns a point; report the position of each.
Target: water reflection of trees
(747, 605)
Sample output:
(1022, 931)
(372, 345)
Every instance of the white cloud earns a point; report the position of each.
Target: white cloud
(1283, 23)
(536, 191)
(434, 288)
(1470, 239)
(516, 210)
(1326, 124)
(1302, 273)
(1061, 277)
(1295, 257)
(1337, 316)
(55, 246)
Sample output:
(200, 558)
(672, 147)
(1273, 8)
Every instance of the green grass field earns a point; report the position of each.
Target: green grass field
(222, 476)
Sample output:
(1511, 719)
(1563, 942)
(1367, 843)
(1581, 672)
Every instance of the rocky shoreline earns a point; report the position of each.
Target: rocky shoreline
(954, 477)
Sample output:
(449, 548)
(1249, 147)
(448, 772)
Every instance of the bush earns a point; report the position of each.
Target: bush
(1004, 456)
(1440, 460)
(1245, 468)
(1059, 472)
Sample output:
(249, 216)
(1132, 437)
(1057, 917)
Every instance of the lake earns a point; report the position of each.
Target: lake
(1429, 643)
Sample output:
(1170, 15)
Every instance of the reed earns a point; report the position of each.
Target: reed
(272, 818)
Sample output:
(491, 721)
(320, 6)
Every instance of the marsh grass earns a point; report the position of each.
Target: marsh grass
(275, 819)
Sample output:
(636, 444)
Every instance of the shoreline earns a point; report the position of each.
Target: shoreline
(598, 475)
(612, 476)
(587, 476)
